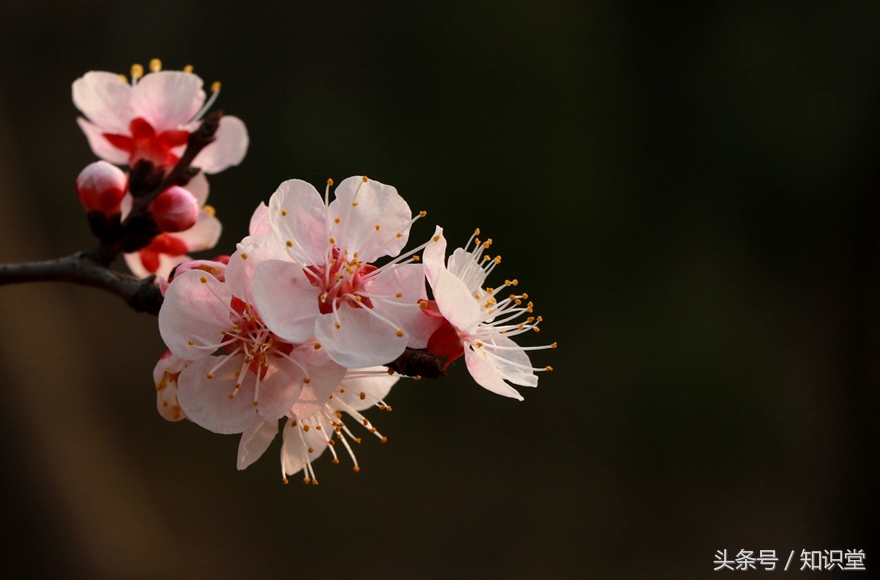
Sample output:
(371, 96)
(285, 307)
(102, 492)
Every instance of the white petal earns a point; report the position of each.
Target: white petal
(362, 339)
(167, 99)
(511, 361)
(409, 282)
(279, 389)
(286, 300)
(434, 255)
(100, 146)
(206, 401)
(260, 224)
(198, 186)
(228, 150)
(194, 311)
(240, 270)
(104, 98)
(297, 442)
(204, 235)
(376, 386)
(255, 440)
(455, 301)
(323, 380)
(297, 215)
(165, 378)
(487, 376)
(377, 204)
(463, 265)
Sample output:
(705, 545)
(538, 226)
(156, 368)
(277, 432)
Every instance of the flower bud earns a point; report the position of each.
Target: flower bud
(175, 210)
(101, 187)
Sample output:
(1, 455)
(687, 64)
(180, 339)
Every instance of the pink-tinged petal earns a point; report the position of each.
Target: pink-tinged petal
(295, 448)
(166, 265)
(296, 212)
(204, 234)
(409, 282)
(251, 251)
(196, 309)
(260, 224)
(198, 186)
(286, 300)
(165, 376)
(104, 98)
(206, 401)
(279, 389)
(455, 301)
(356, 338)
(462, 263)
(167, 99)
(487, 376)
(361, 206)
(101, 146)
(228, 150)
(323, 380)
(510, 360)
(434, 255)
(255, 440)
(375, 385)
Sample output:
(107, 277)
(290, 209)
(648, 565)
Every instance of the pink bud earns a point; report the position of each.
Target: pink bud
(101, 187)
(175, 210)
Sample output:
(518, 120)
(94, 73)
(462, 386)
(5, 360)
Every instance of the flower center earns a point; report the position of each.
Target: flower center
(145, 143)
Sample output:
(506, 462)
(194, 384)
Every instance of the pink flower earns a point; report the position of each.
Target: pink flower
(258, 376)
(152, 117)
(326, 286)
(167, 250)
(478, 323)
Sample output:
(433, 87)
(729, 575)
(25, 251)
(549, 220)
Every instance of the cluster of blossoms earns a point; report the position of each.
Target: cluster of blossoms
(317, 313)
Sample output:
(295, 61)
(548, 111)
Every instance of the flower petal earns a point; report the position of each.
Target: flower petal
(409, 282)
(323, 380)
(165, 376)
(250, 252)
(198, 186)
(510, 360)
(363, 204)
(194, 311)
(286, 300)
(104, 98)
(229, 148)
(360, 339)
(166, 265)
(279, 389)
(260, 224)
(487, 376)
(204, 235)
(206, 401)
(255, 440)
(373, 381)
(100, 146)
(297, 215)
(167, 99)
(295, 448)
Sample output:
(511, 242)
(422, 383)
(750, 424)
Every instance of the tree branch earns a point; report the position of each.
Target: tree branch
(80, 268)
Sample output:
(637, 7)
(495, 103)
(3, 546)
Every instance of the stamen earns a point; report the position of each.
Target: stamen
(155, 65)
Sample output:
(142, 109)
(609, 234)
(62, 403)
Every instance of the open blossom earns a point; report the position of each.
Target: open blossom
(168, 250)
(317, 423)
(478, 322)
(326, 285)
(258, 376)
(152, 117)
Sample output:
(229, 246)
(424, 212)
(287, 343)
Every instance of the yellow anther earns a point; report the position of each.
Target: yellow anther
(189, 342)
(549, 369)
(329, 182)
(283, 212)
(479, 345)
(244, 256)
(123, 78)
(540, 319)
(553, 345)
(399, 333)
(399, 235)
(341, 390)
(336, 220)
(137, 71)
(486, 258)
(423, 213)
(477, 296)
(383, 440)
(231, 396)
(215, 86)
(526, 296)
(256, 403)
(357, 298)
(490, 290)
(354, 204)
(338, 325)
(289, 244)
(293, 423)
(306, 480)
(416, 258)
(417, 377)
(204, 279)
(332, 240)
(305, 427)
(515, 282)
(188, 68)
(377, 227)
(497, 259)
(536, 329)
(311, 449)
(356, 468)
(317, 346)
(363, 396)
(477, 232)
(215, 271)
(423, 304)
(507, 282)
(210, 375)
(155, 65)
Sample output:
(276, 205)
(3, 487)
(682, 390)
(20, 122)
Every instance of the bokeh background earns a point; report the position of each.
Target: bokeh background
(691, 195)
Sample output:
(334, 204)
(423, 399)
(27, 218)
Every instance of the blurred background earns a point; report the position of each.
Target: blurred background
(691, 195)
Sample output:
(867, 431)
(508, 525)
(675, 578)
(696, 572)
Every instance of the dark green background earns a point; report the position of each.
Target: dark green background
(691, 195)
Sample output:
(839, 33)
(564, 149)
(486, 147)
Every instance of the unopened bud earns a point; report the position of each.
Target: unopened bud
(101, 187)
(175, 210)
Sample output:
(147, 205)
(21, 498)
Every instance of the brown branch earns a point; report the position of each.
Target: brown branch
(81, 268)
